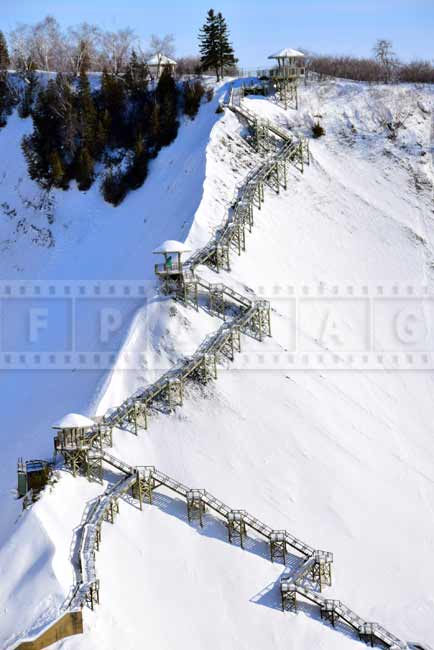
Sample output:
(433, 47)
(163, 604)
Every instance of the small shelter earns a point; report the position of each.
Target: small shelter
(171, 272)
(72, 429)
(158, 63)
(290, 63)
(172, 251)
(32, 475)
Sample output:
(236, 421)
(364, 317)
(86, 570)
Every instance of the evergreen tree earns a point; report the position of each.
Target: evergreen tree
(216, 50)
(154, 129)
(57, 172)
(208, 44)
(226, 55)
(87, 116)
(114, 187)
(84, 169)
(113, 101)
(101, 134)
(30, 92)
(4, 54)
(138, 167)
(167, 97)
(51, 147)
(7, 99)
(136, 77)
(193, 93)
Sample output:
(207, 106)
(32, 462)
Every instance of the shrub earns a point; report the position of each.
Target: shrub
(318, 130)
(138, 168)
(209, 94)
(114, 187)
(84, 170)
(193, 93)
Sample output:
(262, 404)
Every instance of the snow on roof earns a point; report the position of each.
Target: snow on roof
(172, 246)
(161, 59)
(73, 421)
(285, 53)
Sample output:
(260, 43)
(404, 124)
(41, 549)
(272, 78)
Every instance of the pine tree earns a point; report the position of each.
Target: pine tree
(208, 44)
(87, 117)
(193, 93)
(138, 167)
(226, 55)
(216, 50)
(101, 134)
(57, 172)
(136, 77)
(45, 148)
(167, 97)
(84, 169)
(113, 101)
(30, 92)
(7, 99)
(4, 54)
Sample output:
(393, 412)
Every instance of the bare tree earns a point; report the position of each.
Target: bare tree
(48, 45)
(188, 65)
(83, 43)
(20, 48)
(164, 45)
(384, 54)
(392, 109)
(116, 49)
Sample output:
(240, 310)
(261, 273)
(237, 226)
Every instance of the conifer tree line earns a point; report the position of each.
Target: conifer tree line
(88, 128)
(7, 96)
(117, 127)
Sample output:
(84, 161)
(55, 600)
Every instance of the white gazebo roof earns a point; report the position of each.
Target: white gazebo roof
(172, 246)
(74, 421)
(161, 59)
(286, 53)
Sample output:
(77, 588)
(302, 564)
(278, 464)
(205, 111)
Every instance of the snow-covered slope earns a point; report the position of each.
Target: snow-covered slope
(342, 458)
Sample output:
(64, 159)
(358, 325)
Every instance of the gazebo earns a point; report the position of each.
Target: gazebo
(170, 271)
(290, 64)
(158, 63)
(172, 251)
(71, 439)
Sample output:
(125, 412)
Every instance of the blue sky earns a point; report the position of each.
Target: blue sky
(258, 27)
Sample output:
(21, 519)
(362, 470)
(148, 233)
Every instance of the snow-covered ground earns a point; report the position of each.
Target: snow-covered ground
(341, 458)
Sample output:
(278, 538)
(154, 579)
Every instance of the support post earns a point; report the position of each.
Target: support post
(236, 526)
(195, 506)
(288, 595)
(278, 546)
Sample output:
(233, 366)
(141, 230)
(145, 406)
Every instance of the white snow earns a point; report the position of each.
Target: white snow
(73, 421)
(341, 458)
(172, 246)
(286, 53)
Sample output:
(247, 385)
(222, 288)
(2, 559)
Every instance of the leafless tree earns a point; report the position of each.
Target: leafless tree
(82, 47)
(188, 65)
(384, 54)
(165, 45)
(392, 109)
(116, 49)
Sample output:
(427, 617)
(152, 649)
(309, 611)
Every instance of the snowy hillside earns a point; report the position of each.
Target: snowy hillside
(340, 457)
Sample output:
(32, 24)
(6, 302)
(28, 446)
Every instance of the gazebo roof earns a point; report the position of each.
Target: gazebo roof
(74, 421)
(172, 246)
(161, 59)
(286, 53)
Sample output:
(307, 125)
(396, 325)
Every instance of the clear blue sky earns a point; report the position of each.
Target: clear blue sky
(258, 27)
